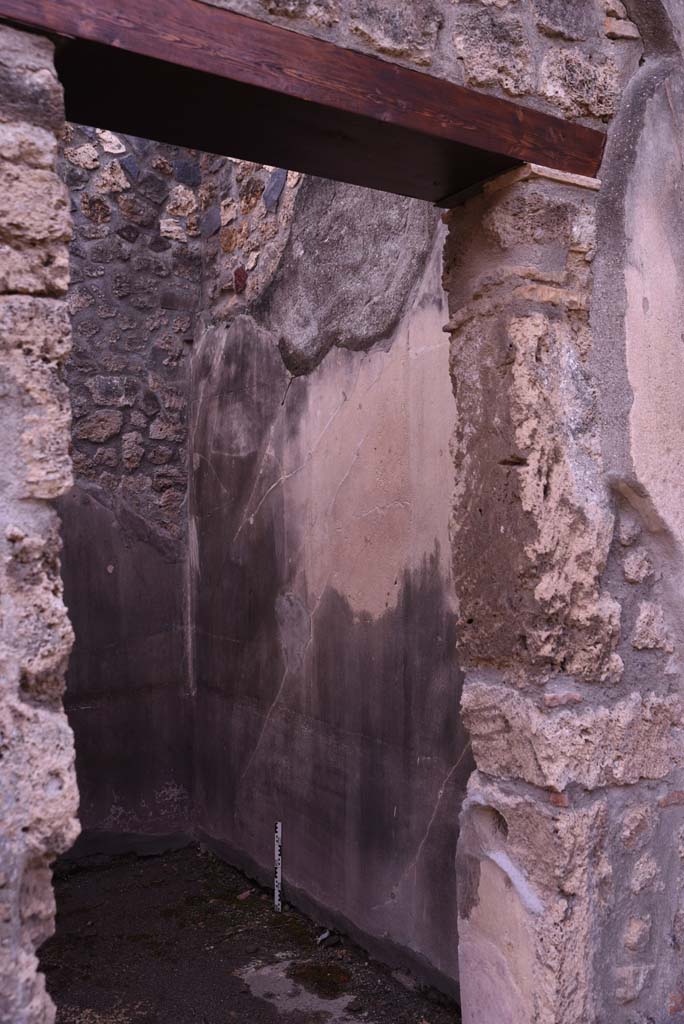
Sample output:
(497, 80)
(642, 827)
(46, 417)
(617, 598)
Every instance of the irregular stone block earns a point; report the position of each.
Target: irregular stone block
(650, 631)
(531, 882)
(537, 478)
(618, 29)
(34, 206)
(318, 12)
(398, 30)
(113, 391)
(110, 179)
(85, 156)
(569, 20)
(637, 933)
(99, 426)
(29, 87)
(182, 201)
(28, 144)
(494, 49)
(580, 85)
(630, 981)
(110, 142)
(34, 270)
(620, 744)
(637, 566)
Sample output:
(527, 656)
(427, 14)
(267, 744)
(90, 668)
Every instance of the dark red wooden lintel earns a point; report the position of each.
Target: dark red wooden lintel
(187, 73)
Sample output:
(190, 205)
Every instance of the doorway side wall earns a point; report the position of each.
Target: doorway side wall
(38, 794)
(567, 369)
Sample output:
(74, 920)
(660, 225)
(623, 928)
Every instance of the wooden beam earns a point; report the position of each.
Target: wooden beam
(190, 73)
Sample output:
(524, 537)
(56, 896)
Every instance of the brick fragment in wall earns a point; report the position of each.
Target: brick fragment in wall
(240, 279)
(618, 744)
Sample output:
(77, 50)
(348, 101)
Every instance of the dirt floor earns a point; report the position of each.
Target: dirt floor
(184, 939)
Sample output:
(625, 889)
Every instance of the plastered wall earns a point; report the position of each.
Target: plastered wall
(324, 647)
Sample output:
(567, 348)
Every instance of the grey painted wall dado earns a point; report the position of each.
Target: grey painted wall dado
(299, 664)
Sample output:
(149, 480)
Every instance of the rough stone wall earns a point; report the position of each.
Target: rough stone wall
(565, 361)
(136, 285)
(324, 649)
(38, 797)
(554, 54)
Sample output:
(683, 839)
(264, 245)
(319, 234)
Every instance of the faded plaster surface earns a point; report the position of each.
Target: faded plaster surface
(327, 684)
(38, 796)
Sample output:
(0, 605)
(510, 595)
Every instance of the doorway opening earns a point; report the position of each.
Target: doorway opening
(256, 567)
